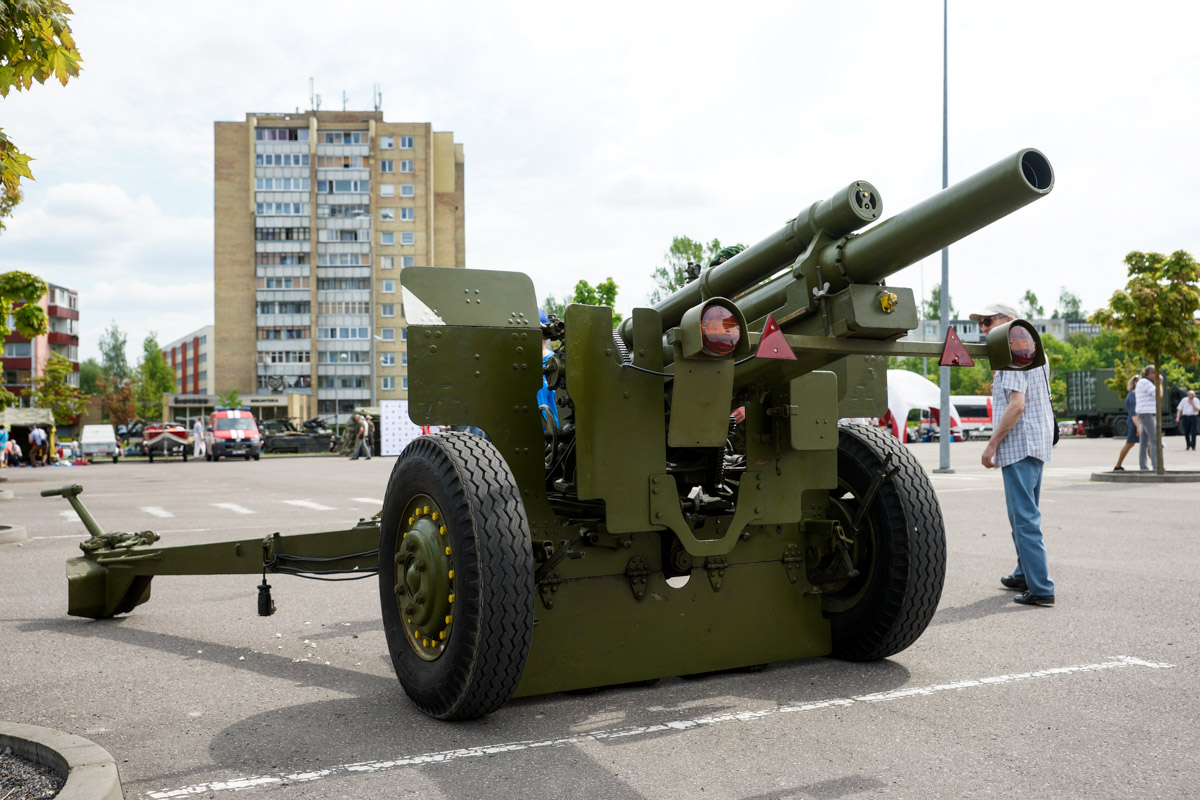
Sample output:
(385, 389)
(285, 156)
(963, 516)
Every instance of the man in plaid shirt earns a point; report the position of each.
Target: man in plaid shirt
(1020, 446)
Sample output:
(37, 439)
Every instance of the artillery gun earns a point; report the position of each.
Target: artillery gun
(624, 538)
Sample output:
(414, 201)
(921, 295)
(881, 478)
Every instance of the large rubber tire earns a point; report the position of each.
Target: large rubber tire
(473, 494)
(1120, 427)
(900, 553)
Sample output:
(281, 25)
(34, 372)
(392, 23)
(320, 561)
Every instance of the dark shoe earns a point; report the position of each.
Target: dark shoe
(1012, 582)
(1027, 599)
(1118, 469)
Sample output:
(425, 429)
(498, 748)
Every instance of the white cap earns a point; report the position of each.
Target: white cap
(993, 310)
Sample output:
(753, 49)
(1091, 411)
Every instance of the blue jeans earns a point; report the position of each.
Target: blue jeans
(1022, 492)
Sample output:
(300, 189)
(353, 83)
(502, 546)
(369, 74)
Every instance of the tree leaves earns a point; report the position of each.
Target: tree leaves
(35, 44)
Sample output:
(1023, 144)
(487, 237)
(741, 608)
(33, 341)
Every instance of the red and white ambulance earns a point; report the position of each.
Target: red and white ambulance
(232, 432)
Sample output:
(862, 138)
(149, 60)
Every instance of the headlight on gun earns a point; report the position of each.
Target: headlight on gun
(1015, 346)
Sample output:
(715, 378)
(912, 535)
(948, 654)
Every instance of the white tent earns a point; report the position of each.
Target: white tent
(908, 390)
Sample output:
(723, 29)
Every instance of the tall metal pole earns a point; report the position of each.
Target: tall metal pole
(944, 427)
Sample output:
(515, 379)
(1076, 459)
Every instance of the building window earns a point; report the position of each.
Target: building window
(386, 142)
(389, 287)
(280, 209)
(387, 190)
(406, 166)
(387, 165)
(407, 190)
(404, 358)
(281, 134)
(343, 187)
(387, 214)
(17, 350)
(406, 143)
(407, 214)
(387, 334)
(342, 162)
(387, 262)
(342, 284)
(407, 261)
(404, 382)
(407, 238)
(387, 360)
(387, 309)
(387, 383)
(387, 237)
(343, 333)
(345, 137)
(281, 159)
(404, 334)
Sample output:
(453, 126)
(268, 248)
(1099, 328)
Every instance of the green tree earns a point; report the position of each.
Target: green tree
(53, 391)
(113, 363)
(1155, 313)
(1069, 305)
(35, 44)
(229, 400)
(118, 401)
(933, 306)
(154, 379)
(89, 376)
(555, 306)
(602, 294)
(19, 296)
(683, 251)
(7, 203)
(1030, 307)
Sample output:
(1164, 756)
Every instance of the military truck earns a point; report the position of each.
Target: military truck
(635, 537)
(1099, 411)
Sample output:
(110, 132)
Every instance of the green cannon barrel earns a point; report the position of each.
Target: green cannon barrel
(922, 230)
(845, 212)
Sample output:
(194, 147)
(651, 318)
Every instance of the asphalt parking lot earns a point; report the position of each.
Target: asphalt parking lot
(196, 696)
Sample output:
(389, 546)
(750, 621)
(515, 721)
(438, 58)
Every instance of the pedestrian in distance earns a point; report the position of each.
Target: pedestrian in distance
(198, 437)
(1149, 392)
(362, 437)
(1020, 446)
(3, 445)
(1186, 417)
(1135, 427)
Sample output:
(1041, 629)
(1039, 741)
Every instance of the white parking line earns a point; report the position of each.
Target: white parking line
(234, 507)
(443, 756)
(157, 511)
(308, 504)
(369, 500)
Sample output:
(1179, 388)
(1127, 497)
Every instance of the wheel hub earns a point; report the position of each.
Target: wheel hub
(425, 577)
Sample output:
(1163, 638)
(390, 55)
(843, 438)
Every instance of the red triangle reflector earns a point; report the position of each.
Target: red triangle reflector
(953, 352)
(773, 343)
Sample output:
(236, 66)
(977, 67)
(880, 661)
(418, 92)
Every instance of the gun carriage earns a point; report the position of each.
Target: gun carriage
(625, 535)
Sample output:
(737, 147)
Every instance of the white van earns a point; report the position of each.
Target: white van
(98, 441)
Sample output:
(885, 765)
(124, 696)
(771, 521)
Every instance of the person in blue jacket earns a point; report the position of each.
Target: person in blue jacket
(545, 396)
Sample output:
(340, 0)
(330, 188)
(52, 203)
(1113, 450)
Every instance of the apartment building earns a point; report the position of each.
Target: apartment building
(317, 213)
(25, 359)
(189, 357)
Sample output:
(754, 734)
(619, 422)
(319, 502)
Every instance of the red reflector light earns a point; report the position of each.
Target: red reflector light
(1021, 346)
(719, 331)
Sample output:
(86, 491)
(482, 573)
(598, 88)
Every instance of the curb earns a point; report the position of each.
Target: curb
(1148, 476)
(12, 533)
(91, 772)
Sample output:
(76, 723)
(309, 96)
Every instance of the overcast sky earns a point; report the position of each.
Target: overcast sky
(594, 133)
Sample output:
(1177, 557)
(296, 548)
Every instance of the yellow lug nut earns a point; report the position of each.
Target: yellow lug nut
(442, 531)
(449, 619)
(434, 516)
(416, 634)
(447, 551)
(425, 510)
(441, 634)
(425, 643)
(451, 574)
(411, 520)
(451, 597)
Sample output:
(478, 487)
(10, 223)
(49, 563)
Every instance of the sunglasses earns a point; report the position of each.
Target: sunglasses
(989, 320)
